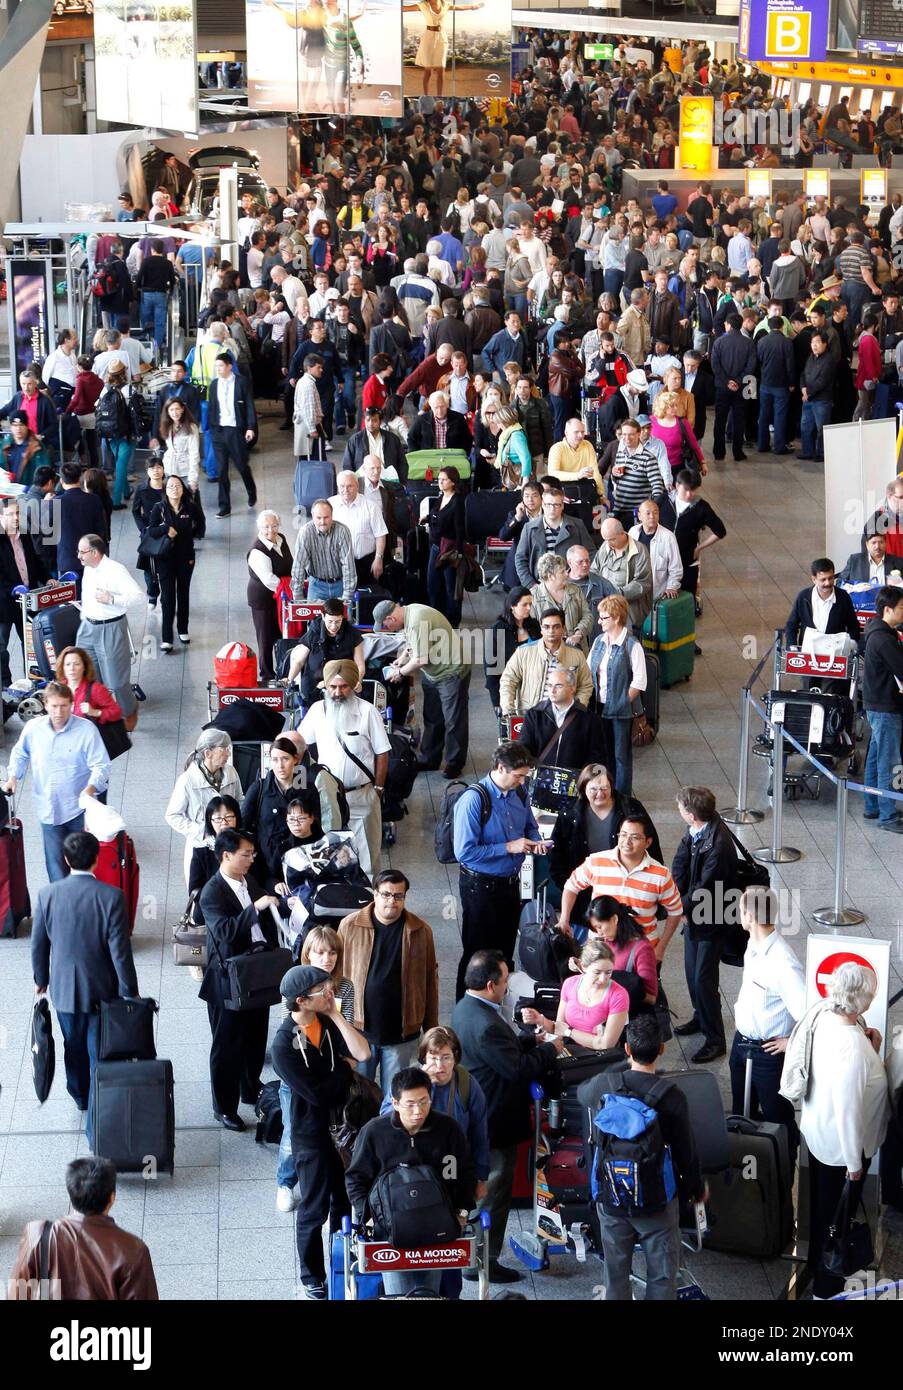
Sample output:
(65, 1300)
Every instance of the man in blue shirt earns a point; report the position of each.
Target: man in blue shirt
(494, 828)
(508, 345)
(452, 249)
(663, 202)
(67, 758)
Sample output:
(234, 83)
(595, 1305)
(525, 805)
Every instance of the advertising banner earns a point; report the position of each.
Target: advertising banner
(457, 50)
(817, 183)
(697, 124)
(30, 301)
(783, 29)
(146, 63)
(325, 57)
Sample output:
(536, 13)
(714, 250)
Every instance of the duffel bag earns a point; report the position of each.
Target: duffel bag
(401, 773)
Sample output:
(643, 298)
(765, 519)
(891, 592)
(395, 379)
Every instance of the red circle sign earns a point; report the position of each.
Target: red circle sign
(832, 963)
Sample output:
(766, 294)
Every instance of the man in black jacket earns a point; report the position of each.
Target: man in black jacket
(871, 565)
(413, 1133)
(817, 382)
(733, 365)
(178, 388)
(705, 871)
(835, 611)
(373, 439)
(882, 673)
(232, 420)
(558, 731)
(439, 427)
(311, 1052)
(504, 1063)
(19, 564)
(778, 379)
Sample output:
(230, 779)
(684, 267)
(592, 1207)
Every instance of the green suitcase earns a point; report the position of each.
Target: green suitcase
(670, 632)
(429, 461)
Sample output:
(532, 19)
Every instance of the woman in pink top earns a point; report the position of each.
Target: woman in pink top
(593, 1011)
(609, 920)
(674, 432)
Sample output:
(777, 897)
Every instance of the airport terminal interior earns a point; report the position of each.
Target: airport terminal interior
(212, 1227)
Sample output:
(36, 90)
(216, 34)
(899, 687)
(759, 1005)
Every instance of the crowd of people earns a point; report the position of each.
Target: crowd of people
(465, 306)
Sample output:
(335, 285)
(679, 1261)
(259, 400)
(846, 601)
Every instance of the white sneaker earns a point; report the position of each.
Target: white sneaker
(196, 972)
(286, 1199)
(184, 638)
(166, 646)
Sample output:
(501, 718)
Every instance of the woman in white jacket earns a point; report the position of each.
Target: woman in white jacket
(182, 438)
(208, 773)
(846, 1108)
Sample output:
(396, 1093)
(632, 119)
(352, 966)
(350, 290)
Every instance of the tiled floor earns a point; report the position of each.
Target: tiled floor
(213, 1229)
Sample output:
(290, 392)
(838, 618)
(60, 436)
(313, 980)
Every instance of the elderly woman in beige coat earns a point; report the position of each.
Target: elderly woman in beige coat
(555, 590)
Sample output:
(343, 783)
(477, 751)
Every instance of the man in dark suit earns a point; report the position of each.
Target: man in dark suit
(19, 564)
(699, 381)
(558, 731)
(362, 443)
(704, 869)
(80, 514)
(230, 904)
(232, 420)
(835, 607)
(504, 1063)
(872, 564)
(439, 428)
(178, 388)
(451, 329)
(80, 947)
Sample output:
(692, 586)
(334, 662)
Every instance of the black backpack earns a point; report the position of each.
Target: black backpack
(444, 834)
(112, 417)
(411, 1207)
(269, 1114)
(633, 1170)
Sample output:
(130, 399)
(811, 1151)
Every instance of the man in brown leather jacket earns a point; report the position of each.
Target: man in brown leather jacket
(89, 1258)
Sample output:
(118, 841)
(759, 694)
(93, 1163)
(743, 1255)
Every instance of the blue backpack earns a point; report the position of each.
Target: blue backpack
(633, 1170)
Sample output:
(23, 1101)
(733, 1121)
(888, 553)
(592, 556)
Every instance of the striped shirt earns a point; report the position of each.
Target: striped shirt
(327, 556)
(641, 890)
(641, 479)
(853, 261)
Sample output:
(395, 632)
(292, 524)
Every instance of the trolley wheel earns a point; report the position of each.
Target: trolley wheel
(390, 834)
(30, 708)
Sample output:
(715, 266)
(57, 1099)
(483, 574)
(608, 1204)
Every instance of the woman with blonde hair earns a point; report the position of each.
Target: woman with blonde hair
(512, 458)
(672, 380)
(593, 1010)
(675, 433)
(617, 663)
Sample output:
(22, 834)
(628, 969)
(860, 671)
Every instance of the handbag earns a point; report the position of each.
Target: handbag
(43, 1049)
(189, 938)
(114, 736)
(127, 1030)
(641, 732)
(154, 547)
(254, 977)
(849, 1245)
(749, 874)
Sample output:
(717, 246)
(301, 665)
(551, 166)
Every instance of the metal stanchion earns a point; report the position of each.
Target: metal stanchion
(778, 853)
(838, 915)
(740, 814)
(776, 664)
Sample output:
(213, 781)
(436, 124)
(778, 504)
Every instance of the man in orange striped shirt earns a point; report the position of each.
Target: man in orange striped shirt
(631, 875)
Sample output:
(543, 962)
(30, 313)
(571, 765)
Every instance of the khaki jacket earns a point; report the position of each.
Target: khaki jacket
(524, 678)
(419, 970)
(635, 335)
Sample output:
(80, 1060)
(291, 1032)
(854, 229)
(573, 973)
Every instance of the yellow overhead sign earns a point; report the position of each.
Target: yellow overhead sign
(697, 128)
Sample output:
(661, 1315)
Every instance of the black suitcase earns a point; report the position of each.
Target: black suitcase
(650, 696)
(134, 1115)
(282, 654)
(53, 629)
(401, 775)
(367, 599)
(246, 761)
(542, 951)
(127, 1030)
(485, 513)
(821, 722)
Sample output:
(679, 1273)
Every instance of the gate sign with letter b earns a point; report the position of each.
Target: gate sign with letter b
(787, 35)
(788, 29)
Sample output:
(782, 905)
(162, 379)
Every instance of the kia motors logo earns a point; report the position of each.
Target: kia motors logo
(386, 1257)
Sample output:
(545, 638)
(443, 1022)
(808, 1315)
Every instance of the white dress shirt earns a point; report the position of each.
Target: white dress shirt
(773, 990)
(364, 520)
(367, 740)
(262, 565)
(846, 1108)
(61, 365)
(225, 394)
(876, 572)
(637, 664)
(113, 577)
(664, 557)
(240, 889)
(821, 609)
(457, 390)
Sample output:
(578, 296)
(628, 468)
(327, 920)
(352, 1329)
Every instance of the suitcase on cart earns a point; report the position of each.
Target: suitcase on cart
(15, 904)
(425, 464)
(117, 864)
(670, 632)
(134, 1114)
(53, 629)
(485, 513)
(314, 479)
(821, 722)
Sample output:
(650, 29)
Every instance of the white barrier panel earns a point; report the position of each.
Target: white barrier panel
(860, 460)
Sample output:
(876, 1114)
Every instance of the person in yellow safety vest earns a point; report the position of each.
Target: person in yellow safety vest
(204, 355)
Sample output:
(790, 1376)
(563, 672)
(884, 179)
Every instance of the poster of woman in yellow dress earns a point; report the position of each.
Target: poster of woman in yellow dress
(457, 50)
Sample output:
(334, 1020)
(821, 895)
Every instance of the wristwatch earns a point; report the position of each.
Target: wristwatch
(379, 790)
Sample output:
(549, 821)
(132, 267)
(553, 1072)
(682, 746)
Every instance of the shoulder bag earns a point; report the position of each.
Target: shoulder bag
(114, 736)
(254, 977)
(127, 1030)
(154, 547)
(849, 1245)
(189, 938)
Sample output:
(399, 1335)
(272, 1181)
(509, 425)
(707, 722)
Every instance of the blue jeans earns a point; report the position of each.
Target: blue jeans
(408, 1280)
(855, 294)
(391, 1059)
(816, 414)
(80, 1033)
(881, 760)
(562, 408)
(319, 590)
(517, 304)
(623, 749)
(121, 451)
(54, 835)
(773, 404)
(612, 280)
(153, 314)
(286, 1173)
(344, 401)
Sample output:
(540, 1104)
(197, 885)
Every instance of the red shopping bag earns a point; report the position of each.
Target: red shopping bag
(235, 667)
(284, 596)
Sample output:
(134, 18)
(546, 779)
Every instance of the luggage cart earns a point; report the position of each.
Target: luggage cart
(796, 664)
(27, 698)
(549, 1236)
(468, 1251)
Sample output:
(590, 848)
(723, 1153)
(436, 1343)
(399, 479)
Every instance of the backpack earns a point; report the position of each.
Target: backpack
(361, 1104)
(633, 1170)
(444, 834)
(269, 1114)
(104, 284)
(112, 417)
(313, 773)
(411, 1207)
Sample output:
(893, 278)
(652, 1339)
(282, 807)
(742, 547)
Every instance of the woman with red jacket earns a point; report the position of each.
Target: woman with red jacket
(91, 700)
(376, 390)
(868, 371)
(88, 387)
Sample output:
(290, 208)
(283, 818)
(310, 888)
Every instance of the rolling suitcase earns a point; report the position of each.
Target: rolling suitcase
(53, 629)
(821, 722)
(246, 759)
(670, 632)
(314, 479)
(117, 864)
(485, 513)
(15, 904)
(650, 702)
(134, 1115)
(366, 600)
(401, 774)
(750, 1204)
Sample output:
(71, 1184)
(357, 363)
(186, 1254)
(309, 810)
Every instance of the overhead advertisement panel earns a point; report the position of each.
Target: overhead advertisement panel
(146, 63)
(456, 50)
(325, 57)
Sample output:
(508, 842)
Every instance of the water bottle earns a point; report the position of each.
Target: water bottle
(356, 605)
(554, 1114)
(388, 718)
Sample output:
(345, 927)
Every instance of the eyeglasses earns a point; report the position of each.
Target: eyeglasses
(392, 897)
(228, 819)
